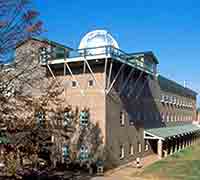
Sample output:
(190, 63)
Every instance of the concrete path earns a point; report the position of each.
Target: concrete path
(126, 172)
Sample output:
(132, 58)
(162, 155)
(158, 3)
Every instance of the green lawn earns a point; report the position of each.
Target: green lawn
(183, 165)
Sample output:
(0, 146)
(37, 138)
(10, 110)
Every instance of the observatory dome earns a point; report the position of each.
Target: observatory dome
(97, 38)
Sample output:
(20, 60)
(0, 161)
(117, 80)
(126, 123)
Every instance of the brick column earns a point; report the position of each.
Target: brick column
(160, 148)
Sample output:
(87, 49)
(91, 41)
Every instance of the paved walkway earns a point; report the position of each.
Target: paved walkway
(126, 172)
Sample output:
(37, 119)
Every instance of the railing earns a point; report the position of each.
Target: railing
(115, 53)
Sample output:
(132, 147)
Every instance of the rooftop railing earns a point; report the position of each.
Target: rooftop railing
(100, 52)
(110, 51)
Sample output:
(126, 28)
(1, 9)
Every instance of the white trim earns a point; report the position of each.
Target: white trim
(154, 136)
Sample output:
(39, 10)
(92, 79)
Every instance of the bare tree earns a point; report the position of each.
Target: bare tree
(18, 21)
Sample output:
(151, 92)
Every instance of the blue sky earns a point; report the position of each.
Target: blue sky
(171, 29)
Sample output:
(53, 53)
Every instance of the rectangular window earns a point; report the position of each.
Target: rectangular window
(131, 150)
(139, 147)
(138, 116)
(91, 83)
(74, 84)
(163, 116)
(84, 118)
(162, 98)
(122, 118)
(131, 121)
(121, 152)
(166, 98)
(40, 119)
(65, 151)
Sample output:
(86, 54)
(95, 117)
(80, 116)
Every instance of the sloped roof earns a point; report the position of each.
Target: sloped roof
(166, 132)
(172, 86)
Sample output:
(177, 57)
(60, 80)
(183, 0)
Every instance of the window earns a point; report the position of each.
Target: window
(84, 118)
(146, 145)
(40, 119)
(67, 118)
(74, 84)
(174, 100)
(84, 153)
(131, 149)
(121, 155)
(170, 99)
(91, 83)
(65, 150)
(139, 147)
(138, 116)
(131, 120)
(162, 98)
(171, 117)
(163, 117)
(166, 98)
(122, 118)
(157, 116)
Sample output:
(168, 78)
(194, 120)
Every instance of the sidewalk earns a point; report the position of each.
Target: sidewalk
(125, 172)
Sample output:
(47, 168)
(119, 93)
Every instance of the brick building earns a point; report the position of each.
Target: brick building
(138, 111)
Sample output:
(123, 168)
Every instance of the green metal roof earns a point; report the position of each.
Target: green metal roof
(172, 86)
(166, 132)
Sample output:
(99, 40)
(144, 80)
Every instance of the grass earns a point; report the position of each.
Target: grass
(183, 165)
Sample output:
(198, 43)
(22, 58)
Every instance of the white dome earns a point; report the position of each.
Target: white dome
(97, 38)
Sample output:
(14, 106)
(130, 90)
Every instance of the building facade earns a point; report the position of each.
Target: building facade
(137, 111)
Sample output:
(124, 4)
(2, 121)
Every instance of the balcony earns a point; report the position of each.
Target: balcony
(103, 52)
